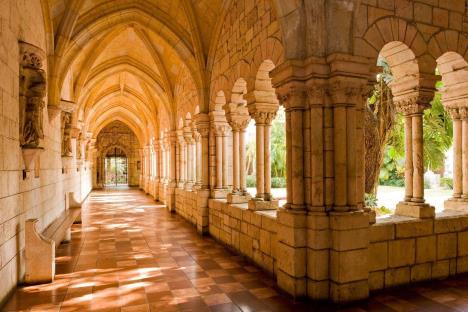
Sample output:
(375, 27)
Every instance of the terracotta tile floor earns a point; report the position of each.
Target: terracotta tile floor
(130, 254)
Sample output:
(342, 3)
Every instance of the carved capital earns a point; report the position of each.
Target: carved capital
(293, 96)
(263, 118)
(411, 104)
(345, 92)
(463, 113)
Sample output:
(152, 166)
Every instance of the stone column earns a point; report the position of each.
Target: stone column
(418, 158)
(219, 127)
(225, 158)
(457, 154)
(190, 155)
(219, 159)
(464, 117)
(203, 191)
(182, 161)
(263, 114)
(412, 106)
(170, 191)
(157, 169)
(259, 157)
(197, 160)
(235, 160)
(408, 158)
(458, 201)
(238, 118)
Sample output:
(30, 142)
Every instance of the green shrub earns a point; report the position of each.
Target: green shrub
(380, 211)
(370, 200)
(251, 181)
(278, 182)
(447, 183)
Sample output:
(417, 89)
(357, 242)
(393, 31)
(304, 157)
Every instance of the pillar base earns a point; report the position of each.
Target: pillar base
(260, 204)
(219, 193)
(457, 204)
(237, 198)
(189, 186)
(415, 210)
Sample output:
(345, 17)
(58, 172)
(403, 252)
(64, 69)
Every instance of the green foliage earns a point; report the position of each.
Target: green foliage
(392, 170)
(278, 145)
(278, 182)
(370, 200)
(380, 211)
(447, 183)
(438, 133)
(251, 181)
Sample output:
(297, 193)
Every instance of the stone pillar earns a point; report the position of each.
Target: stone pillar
(182, 160)
(464, 116)
(418, 158)
(460, 157)
(412, 106)
(197, 160)
(408, 158)
(157, 169)
(172, 182)
(457, 154)
(225, 136)
(203, 191)
(238, 118)
(348, 271)
(219, 127)
(292, 217)
(263, 114)
(189, 156)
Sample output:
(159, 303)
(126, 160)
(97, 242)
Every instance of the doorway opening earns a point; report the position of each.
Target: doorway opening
(116, 168)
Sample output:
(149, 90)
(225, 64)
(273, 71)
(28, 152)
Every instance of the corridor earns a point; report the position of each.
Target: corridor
(130, 254)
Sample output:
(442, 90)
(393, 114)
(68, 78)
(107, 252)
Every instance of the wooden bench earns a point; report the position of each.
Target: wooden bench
(40, 247)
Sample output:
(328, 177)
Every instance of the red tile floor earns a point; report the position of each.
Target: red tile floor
(130, 254)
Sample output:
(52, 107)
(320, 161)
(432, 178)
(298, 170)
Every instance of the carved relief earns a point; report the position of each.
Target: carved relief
(32, 90)
(66, 134)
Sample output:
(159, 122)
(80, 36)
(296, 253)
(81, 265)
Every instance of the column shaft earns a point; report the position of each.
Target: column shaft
(267, 162)
(465, 157)
(260, 161)
(457, 158)
(225, 161)
(297, 179)
(340, 138)
(235, 160)
(408, 158)
(219, 161)
(199, 162)
(242, 147)
(418, 159)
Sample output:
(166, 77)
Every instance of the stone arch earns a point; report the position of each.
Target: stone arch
(453, 70)
(269, 55)
(219, 89)
(447, 41)
(120, 146)
(239, 89)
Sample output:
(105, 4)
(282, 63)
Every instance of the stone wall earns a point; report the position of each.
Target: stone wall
(404, 250)
(251, 233)
(41, 194)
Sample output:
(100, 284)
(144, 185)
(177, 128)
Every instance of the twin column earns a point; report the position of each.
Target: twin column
(263, 121)
(460, 153)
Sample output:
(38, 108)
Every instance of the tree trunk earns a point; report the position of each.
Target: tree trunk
(379, 121)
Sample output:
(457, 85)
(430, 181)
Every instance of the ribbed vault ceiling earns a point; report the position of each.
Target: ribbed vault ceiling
(130, 60)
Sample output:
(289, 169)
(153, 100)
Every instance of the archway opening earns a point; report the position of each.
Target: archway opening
(116, 168)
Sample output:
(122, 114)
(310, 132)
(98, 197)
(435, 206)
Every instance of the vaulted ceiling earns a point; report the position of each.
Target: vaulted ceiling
(132, 61)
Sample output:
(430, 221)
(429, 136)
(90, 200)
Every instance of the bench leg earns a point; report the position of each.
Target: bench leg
(67, 237)
(39, 255)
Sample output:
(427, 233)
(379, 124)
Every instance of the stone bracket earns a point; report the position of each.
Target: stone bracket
(30, 155)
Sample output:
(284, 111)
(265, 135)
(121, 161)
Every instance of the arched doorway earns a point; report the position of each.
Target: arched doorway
(116, 167)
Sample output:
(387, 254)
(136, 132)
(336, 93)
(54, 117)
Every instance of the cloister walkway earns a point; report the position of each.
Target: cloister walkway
(131, 254)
